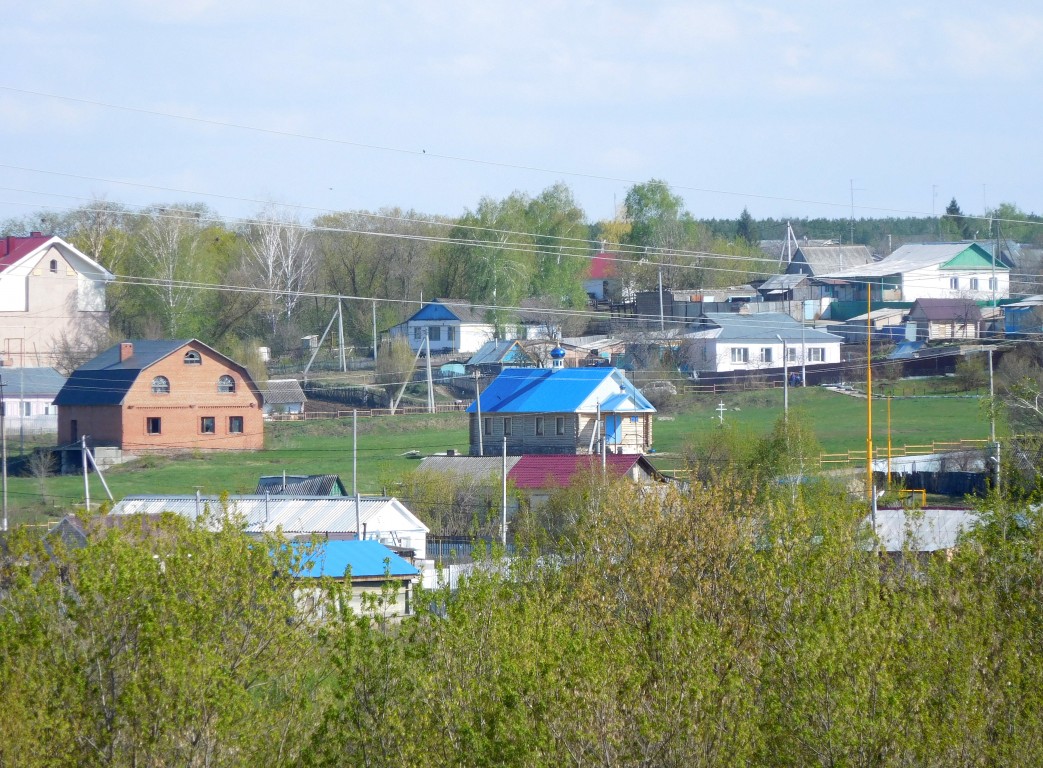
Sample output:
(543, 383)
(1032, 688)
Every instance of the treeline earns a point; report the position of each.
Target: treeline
(183, 271)
(739, 623)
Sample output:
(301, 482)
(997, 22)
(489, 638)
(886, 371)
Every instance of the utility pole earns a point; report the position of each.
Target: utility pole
(992, 424)
(430, 381)
(504, 500)
(661, 321)
(785, 380)
(870, 488)
(478, 404)
(374, 332)
(340, 335)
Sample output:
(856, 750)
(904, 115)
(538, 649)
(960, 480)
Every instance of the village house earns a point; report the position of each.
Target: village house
(28, 400)
(738, 342)
(927, 271)
(452, 326)
(563, 410)
(936, 319)
(152, 396)
(50, 292)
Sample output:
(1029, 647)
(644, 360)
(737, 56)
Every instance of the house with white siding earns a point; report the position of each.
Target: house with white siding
(737, 342)
(453, 326)
(928, 271)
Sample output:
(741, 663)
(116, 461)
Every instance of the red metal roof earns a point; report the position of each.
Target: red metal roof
(557, 470)
(603, 266)
(12, 249)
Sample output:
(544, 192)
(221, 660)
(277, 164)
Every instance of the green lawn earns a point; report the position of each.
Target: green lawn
(324, 446)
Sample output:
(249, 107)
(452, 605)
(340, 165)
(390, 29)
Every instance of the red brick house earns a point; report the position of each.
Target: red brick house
(167, 395)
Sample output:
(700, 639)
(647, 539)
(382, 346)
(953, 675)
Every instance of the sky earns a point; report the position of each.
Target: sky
(789, 109)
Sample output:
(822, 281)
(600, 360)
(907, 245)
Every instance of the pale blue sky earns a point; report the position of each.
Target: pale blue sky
(777, 106)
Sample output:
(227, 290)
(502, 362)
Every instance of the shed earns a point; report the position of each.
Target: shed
(283, 396)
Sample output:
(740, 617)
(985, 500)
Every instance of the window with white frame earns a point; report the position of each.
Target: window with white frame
(954, 283)
(791, 354)
(418, 332)
(974, 283)
(816, 354)
(435, 333)
(539, 425)
(740, 355)
(765, 354)
(507, 425)
(992, 283)
(27, 408)
(559, 425)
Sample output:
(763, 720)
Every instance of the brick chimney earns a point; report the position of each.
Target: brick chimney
(126, 350)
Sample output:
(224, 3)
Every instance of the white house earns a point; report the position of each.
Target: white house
(453, 326)
(929, 271)
(737, 342)
(381, 518)
(48, 290)
(28, 397)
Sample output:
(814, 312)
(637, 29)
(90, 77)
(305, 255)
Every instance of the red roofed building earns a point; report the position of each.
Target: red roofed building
(603, 282)
(48, 290)
(538, 476)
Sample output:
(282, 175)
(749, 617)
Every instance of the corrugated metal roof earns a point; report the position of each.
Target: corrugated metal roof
(567, 390)
(544, 471)
(291, 514)
(763, 326)
(829, 258)
(301, 485)
(918, 256)
(475, 468)
(32, 382)
(602, 266)
(782, 282)
(366, 559)
(283, 391)
(501, 352)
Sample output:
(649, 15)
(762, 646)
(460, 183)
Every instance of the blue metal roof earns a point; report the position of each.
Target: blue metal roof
(367, 559)
(563, 390)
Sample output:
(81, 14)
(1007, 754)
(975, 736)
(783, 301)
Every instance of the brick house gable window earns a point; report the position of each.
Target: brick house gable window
(161, 385)
(193, 358)
(226, 385)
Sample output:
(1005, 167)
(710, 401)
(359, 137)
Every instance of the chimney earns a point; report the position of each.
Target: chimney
(450, 452)
(126, 350)
(36, 234)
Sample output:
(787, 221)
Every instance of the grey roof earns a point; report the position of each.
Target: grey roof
(473, 468)
(31, 382)
(283, 391)
(822, 259)
(765, 326)
(923, 530)
(941, 310)
(498, 351)
(301, 485)
(910, 257)
(782, 282)
(105, 380)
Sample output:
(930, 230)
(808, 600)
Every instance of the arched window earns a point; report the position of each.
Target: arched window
(54, 266)
(192, 358)
(226, 384)
(161, 385)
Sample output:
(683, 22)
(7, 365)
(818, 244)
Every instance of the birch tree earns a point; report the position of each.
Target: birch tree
(280, 256)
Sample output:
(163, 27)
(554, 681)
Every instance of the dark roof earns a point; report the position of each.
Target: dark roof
(282, 391)
(557, 471)
(830, 258)
(106, 379)
(939, 310)
(301, 485)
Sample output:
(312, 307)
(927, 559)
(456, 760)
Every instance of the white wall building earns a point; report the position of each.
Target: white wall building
(736, 342)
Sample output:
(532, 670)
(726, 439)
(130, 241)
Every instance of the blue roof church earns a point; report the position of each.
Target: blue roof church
(560, 410)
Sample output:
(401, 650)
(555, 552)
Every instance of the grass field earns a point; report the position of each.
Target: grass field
(325, 446)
